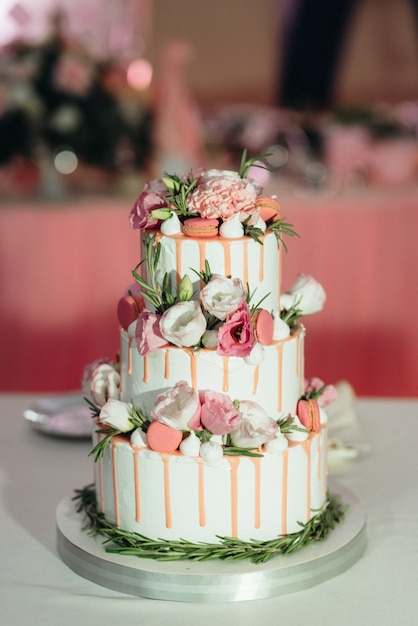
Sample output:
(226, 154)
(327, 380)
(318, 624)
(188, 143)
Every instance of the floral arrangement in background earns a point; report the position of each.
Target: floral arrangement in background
(57, 95)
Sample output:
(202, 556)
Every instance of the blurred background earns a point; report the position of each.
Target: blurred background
(97, 97)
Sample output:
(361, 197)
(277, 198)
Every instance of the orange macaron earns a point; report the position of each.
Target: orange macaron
(269, 208)
(162, 438)
(200, 227)
(308, 413)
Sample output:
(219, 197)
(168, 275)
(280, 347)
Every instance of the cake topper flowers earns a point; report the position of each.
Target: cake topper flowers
(232, 199)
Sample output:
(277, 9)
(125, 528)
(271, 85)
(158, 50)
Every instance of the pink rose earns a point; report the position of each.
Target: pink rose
(152, 198)
(235, 336)
(221, 296)
(255, 427)
(219, 414)
(178, 407)
(223, 195)
(148, 334)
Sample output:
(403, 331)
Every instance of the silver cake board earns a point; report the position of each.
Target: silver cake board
(213, 581)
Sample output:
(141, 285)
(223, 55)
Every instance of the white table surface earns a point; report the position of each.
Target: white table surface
(36, 587)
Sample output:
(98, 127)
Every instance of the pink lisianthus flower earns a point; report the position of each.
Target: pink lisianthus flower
(183, 324)
(235, 336)
(255, 427)
(148, 334)
(327, 395)
(221, 296)
(219, 415)
(151, 198)
(223, 194)
(178, 407)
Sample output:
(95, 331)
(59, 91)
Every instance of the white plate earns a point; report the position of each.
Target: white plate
(61, 416)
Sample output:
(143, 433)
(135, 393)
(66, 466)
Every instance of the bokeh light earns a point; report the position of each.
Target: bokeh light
(65, 162)
(139, 74)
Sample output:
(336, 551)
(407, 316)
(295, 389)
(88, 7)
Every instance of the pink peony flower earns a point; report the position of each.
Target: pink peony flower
(219, 414)
(255, 427)
(221, 296)
(178, 407)
(222, 195)
(152, 198)
(183, 324)
(235, 336)
(148, 334)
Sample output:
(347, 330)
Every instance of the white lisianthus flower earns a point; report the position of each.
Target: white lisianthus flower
(255, 427)
(306, 294)
(183, 324)
(117, 414)
(222, 296)
(178, 407)
(211, 452)
(104, 384)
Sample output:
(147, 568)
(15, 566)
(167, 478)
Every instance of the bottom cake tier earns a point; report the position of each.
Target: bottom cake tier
(171, 496)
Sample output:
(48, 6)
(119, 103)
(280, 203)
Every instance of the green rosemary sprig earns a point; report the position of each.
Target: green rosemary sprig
(281, 227)
(287, 425)
(179, 191)
(158, 294)
(246, 163)
(206, 274)
(117, 541)
(291, 316)
(252, 231)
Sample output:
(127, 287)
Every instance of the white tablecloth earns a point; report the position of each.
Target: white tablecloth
(36, 587)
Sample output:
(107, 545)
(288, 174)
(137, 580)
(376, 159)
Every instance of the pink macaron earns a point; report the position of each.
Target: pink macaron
(162, 438)
(263, 326)
(308, 413)
(200, 227)
(129, 307)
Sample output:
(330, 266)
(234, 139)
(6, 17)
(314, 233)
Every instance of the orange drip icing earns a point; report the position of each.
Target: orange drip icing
(306, 445)
(193, 370)
(168, 519)
(256, 372)
(115, 484)
(178, 260)
(202, 252)
(245, 263)
(146, 375)
(256, 463)
(136, 481)
(261, 266)
(227, 256)
(202, 512)
(285, 465)
(129, 355)
(225, 384)
(234, 463)
(279, 349)
(167, 364)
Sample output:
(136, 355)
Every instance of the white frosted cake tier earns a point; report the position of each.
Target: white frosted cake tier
(276, 383)
(171, 496)
(256, 264)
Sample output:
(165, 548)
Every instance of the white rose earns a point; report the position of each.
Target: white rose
(104, 384)
(177, 407)
(116, 414)
(222, 296)
(183, 324)
(255, 427)
(306, 293)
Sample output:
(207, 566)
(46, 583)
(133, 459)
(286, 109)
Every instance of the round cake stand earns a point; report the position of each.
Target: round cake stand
(213, 581)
